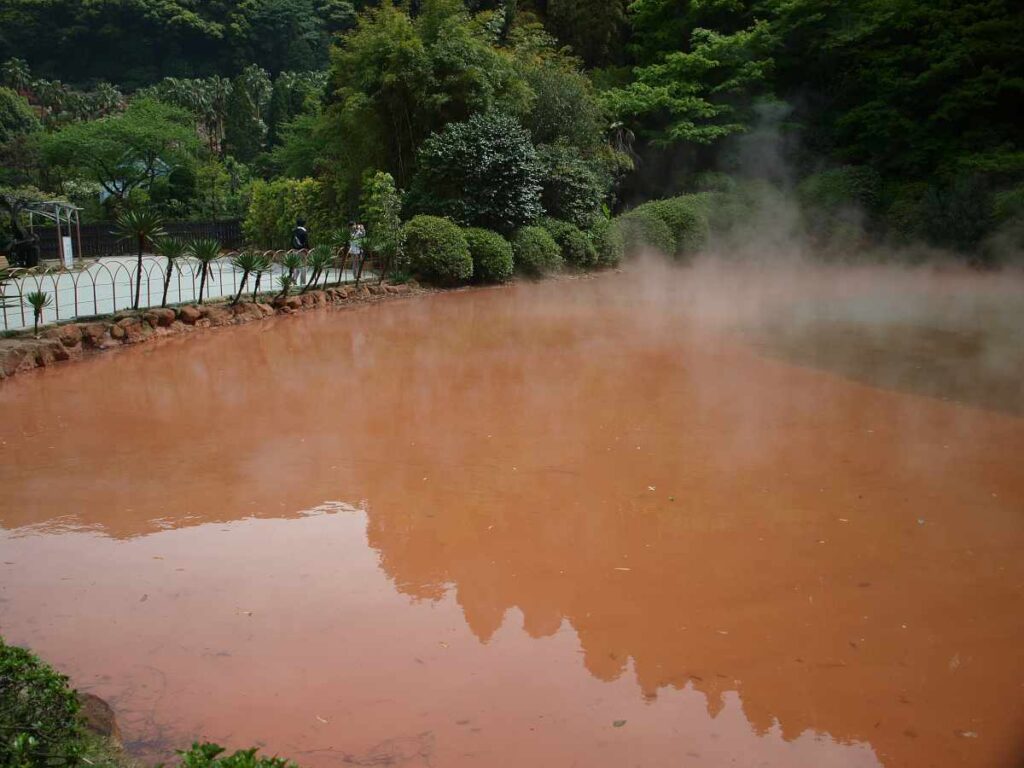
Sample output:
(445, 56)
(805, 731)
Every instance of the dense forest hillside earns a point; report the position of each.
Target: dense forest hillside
(887, 120)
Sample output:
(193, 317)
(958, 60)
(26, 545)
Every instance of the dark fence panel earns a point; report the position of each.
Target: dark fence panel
(100, 240)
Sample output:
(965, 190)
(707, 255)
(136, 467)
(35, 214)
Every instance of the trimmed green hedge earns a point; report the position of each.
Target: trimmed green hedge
(576, 248)
(437, 250)
(492, 256)
(676, 226)
(609, 244)
(536, 252)
(642, 230)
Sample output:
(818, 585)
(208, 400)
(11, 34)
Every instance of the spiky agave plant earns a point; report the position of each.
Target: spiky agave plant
(286, 282)
(292, 262)
(38, 300)
(263, 264)
(142, 227)
(204, 251)
(245, 262)
(319, 261)
(172, 249)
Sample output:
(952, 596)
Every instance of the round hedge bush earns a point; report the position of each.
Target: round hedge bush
(577, 250)
(642, 230)
(437, 250)
(609, 245)
(687, 219)
(492, 255)
(536, 252)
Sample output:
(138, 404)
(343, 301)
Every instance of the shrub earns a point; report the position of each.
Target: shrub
(609, 244)
(536, 252)
(687, 220)
(714, 181)
(642, 229)
(573, 190)
(491, 253)
(576, 248)
(39, 723)
(835, 202)
(437, 249)
(958, 215)
(275, 206)
(483, 172)
(210, 756)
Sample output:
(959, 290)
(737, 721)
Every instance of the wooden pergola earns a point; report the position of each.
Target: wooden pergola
(62, 213)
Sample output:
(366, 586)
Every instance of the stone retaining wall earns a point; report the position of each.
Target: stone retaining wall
(75, 340)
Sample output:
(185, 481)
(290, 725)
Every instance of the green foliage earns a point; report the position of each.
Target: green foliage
(208, 755)
(564, 107)
(608, 241)
(127, 151)
(685, 219)
(575, 247)
(204, 250)
(381, 215)
(483, 172)
(835, 202)
(438, 250)
(701, 94)
(491, 253)
(958, 215)
(536, 252)
(395, 81)
(571, 189)
(16, 116)
(244, 129)
(39, 725)
(594, 30)
(275, 206)
(642, 230)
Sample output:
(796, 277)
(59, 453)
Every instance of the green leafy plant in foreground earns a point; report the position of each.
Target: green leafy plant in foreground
(209, 756)
(38, 300)
(39, 724)
(204, 251)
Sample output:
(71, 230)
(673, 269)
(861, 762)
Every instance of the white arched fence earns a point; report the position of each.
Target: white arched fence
(107, 285)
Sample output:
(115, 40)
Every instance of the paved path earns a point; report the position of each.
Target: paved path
(107, 285)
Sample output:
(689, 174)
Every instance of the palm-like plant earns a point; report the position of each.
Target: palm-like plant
(16, 75)
(319, 260)
(142, 227)
(204, 251)
(38, 300)
(263, 263)
(245, 262)
(286, 282)
(172, 249)
(292, 262)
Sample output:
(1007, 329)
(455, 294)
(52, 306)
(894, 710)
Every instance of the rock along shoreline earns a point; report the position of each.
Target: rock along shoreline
(76, 340)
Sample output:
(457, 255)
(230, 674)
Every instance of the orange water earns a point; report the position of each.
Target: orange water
(654, 519)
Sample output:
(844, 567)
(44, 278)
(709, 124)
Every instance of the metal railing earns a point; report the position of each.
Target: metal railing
(106, 286)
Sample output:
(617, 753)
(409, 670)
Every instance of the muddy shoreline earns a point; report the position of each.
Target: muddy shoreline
(77, 340)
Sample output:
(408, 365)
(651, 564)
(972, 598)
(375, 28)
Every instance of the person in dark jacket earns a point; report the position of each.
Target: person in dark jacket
(300, 236)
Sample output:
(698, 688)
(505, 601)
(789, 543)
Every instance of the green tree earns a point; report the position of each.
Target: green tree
(16, 116)
(127, 151)
(381, 214)
(483, 172)
(699, 95)
(142, 228)
(593, 30)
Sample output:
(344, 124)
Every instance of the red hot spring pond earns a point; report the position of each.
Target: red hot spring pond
(698, 517)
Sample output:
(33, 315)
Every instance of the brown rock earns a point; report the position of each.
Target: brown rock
(13, 354)
(161, 317)
(99, 719)
(68, 335)
(265, 309)
(377, 290)
(132, 329)
(293, 302)
(218, 315)
(189, 314)
(94, 334)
